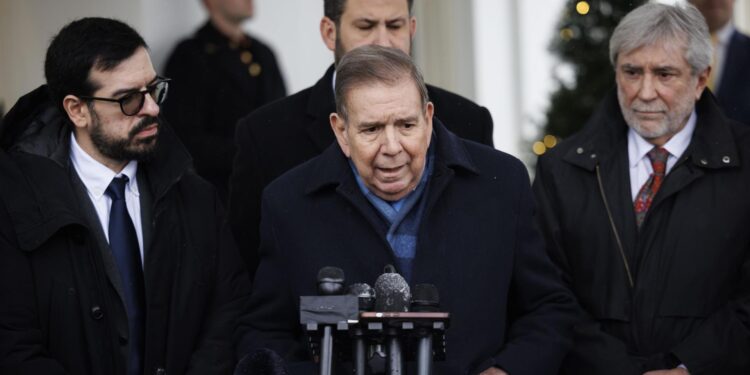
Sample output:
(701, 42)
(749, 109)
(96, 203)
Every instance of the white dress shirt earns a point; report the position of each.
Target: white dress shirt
(638, 148)
(723, 37)
(96, 178)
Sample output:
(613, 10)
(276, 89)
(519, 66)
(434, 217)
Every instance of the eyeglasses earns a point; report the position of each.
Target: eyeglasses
(132, 103)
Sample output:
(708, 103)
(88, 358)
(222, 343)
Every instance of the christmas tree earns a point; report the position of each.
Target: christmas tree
(582, 45)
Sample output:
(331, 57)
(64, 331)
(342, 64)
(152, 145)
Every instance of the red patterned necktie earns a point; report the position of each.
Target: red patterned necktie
(658, 157)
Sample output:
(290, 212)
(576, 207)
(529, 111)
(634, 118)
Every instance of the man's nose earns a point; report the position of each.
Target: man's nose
(382, 37)
(647, 89)
(391, 142)
(150, 108)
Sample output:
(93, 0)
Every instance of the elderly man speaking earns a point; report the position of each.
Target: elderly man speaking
(647, 210)
(398, 188)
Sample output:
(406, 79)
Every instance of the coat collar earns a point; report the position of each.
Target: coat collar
(319, 106)
(712, 145)
(331, 168)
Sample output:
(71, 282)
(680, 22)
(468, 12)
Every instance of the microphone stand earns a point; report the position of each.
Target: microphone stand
(326, 349)
(424, 353)
(360, 352)
(394, 364)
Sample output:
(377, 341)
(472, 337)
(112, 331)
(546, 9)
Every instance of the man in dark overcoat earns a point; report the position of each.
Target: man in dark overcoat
(284, 134)
(647, 210)
(399, 188)
(219, 75)
(113, 256)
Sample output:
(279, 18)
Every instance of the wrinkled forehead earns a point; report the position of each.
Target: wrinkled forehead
(671, 51)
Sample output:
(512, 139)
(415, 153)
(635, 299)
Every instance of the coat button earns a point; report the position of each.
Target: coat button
(726, 159)
(579, 150)
(97, 313)
(704, 162)
(161, 371)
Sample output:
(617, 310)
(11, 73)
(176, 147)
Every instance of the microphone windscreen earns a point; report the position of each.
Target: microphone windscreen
(261, 362)
(425, 298)
(393, 294)
(330, 281)
(365, 294)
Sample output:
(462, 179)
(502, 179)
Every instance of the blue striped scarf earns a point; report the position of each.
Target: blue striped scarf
(403, 217)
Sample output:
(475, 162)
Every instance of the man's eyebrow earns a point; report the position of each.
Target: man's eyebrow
(369, 124)
(131, 90)
(407, 119)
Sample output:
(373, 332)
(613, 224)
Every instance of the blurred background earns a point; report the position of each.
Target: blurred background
(524, 60)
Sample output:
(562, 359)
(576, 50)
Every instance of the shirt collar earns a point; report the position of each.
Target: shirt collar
(95, 175)
(638, 147)
(723, 34)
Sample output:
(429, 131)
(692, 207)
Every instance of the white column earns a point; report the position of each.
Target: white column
(496, 69)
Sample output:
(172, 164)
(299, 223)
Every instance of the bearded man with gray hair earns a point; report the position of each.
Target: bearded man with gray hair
(646, 210)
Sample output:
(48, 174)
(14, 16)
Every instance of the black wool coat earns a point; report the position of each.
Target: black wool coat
(690, 262)
(215, 83)
(286, 133)
(477, 243)
(734, 88)
(61, 311)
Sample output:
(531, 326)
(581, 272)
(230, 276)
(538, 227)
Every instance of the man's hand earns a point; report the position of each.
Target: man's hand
(674, 371)
(497, 371)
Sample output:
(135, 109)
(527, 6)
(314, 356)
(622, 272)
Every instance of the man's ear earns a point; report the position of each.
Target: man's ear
(77, 110)
(428, 113)
(339, 129)
(412, 26)
(328, 32)
(703, 82)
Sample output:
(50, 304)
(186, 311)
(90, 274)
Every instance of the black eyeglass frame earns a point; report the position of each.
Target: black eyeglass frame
(150, 89)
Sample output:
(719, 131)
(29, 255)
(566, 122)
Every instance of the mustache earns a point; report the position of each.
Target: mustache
(146, 122)
(640, 107)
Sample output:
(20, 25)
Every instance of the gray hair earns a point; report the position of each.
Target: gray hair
(654, 23)
(373, 64)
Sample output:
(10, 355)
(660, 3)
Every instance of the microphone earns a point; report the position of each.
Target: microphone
(330, 281)
(426, 299)
(393, 295)
(366, 297)
(392, 291)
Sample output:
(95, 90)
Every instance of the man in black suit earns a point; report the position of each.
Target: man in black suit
(219, 75)
(114, 254)
(279, 136)
(730, 73)
(398, 188)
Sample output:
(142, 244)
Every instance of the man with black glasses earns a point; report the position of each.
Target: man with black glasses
(113, 258)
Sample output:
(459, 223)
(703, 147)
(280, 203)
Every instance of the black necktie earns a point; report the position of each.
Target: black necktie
(127, 254)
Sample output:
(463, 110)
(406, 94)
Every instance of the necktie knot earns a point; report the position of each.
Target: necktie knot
(658, 157)
(116, 188)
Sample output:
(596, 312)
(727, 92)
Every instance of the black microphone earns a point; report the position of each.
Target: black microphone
(392, 291)
(425, 299)
(366, 297)
(330, 283)
(261, 362)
